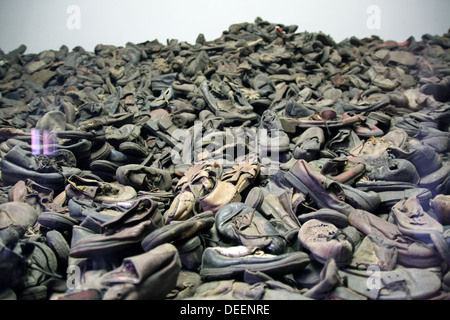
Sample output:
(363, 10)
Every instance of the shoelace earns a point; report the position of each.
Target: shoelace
(45, 164)
(54, 163)
(319, 117)
(48, 273)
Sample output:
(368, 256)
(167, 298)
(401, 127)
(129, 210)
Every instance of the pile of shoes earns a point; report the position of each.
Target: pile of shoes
(266, 164)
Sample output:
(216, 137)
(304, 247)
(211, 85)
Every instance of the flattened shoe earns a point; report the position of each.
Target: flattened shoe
(272, 141)
(375, 251)
(413, 221)
(222, 194)
(344, 140)
(201, 185)
(105, 169)
(56, 241)
(325, 241)
(366, 128)
(147, 276)
(255, 198)
(399, 170)
(411, 253)
(241, 175)
(441, 244)
(224, 105)
(309, 144)
(191, 252)
(144, 178)
(19, 164)
(391, 192)
(343, 170)
(325, 192)
(17, 215)
(329, 279)
(358, 199)
(272, 207)
(181, 208)
(117, 244)
(243, 225)
(141, 210)
(178, 230)
(441, 207)
(231, 262)
(423, 157)
(34, 194)
(317, 120)
(133, 149)
(434, 179)
(79, 209)
(376, 147)
(399, 284)
(57, 221)
(78, 187)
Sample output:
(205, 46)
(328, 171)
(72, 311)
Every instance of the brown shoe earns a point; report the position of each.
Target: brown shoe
(325, 192)
(325, 241)
(115, 245)
(201, 185)
(413, 221)
(241, 175)
(181, 208)
(17, 215)
(243, 225)
(344, 170)
(441, 207)
(145, 178)
(178, 230)
(410, 253)
(150, 275)
(222, 194)
(97, 190)
(317, 120)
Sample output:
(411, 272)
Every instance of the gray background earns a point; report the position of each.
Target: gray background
(41, 24)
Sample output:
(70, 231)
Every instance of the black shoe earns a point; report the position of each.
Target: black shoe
(231, 262)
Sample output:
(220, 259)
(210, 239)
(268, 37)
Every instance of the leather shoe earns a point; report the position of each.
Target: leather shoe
(243, 225)
(231, 262)
(147, 276)
(325, 241)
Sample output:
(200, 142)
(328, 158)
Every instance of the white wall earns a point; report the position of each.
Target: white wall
(42, 24)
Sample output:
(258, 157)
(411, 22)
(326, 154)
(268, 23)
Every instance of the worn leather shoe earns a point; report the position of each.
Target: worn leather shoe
(231, 262)
(325, 241)
(243, 225)
(325, 192)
